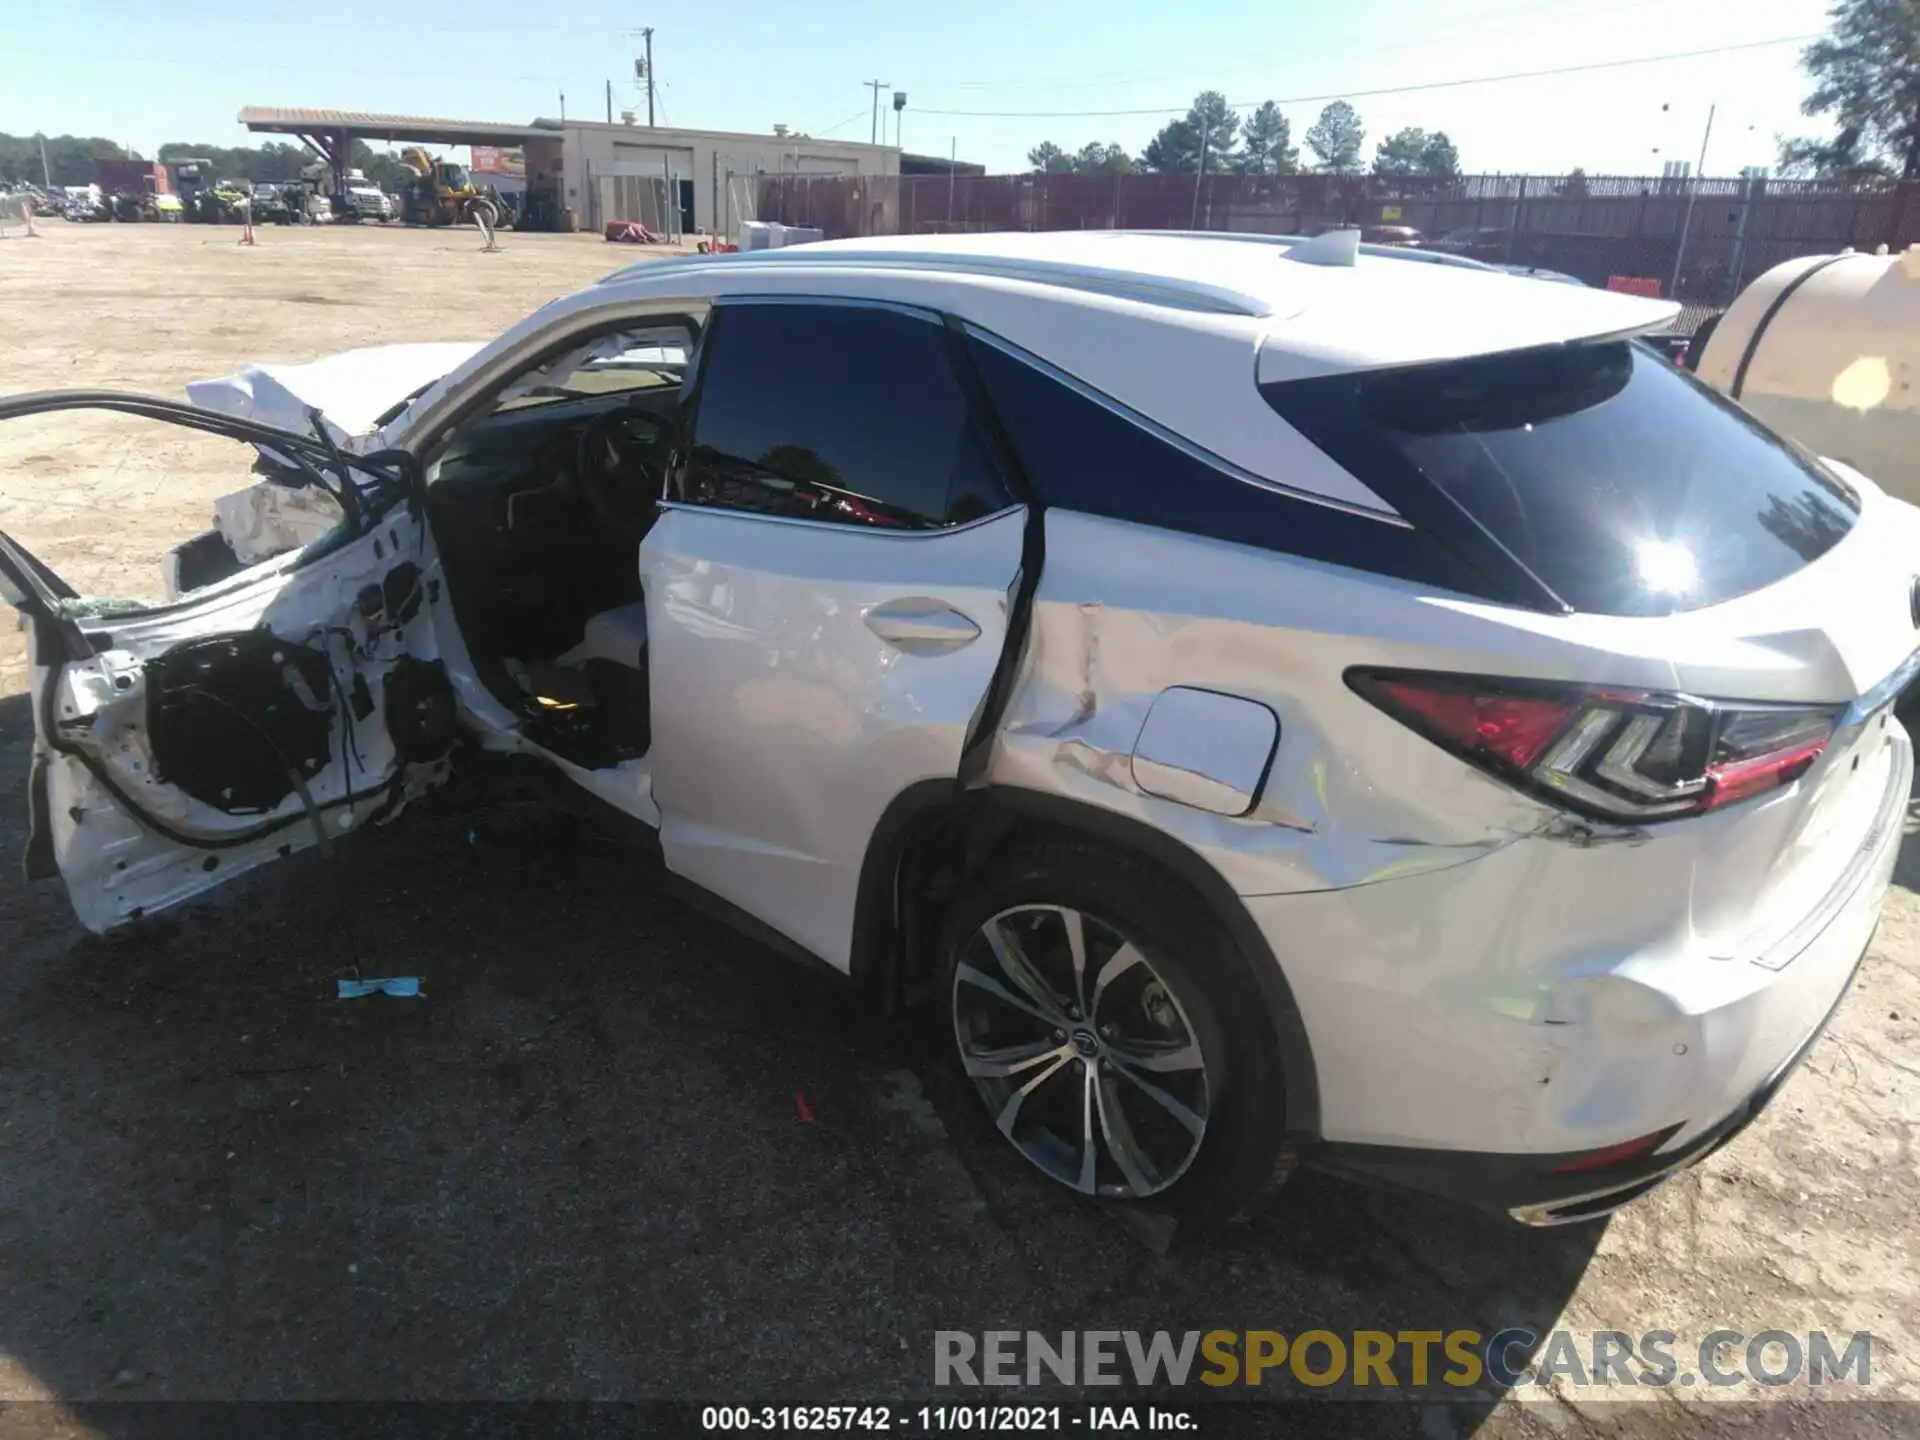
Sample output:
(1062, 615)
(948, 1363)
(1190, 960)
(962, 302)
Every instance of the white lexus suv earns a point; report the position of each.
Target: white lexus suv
(1281, 699)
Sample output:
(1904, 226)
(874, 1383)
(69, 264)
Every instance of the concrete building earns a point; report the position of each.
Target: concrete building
(669, 179)
(686, 180)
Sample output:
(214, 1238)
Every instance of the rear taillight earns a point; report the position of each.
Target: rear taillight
(1618, 754)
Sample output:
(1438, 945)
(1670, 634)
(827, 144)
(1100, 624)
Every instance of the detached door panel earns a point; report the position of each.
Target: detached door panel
(180, 746)
(827, 602)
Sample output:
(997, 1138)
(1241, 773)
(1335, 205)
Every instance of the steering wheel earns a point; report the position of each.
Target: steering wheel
(616, 471)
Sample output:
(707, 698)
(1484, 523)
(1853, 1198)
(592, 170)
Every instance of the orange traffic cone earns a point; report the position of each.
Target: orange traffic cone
(246, 227)
(32, 234)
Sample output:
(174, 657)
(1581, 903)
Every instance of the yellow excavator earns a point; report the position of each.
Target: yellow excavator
(442, 193)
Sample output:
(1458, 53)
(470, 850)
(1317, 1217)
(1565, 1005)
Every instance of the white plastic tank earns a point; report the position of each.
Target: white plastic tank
(1826, 349)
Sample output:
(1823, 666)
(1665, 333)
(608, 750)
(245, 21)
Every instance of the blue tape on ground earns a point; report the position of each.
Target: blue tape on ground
(403, 986)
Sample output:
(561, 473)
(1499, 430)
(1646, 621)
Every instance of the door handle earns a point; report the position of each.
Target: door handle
(921, 626)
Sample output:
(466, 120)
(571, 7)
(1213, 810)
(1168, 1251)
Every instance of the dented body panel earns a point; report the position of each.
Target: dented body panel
(271, 518)
(1125, 612)
(1422, 910)
(352, 389)
(1527, 1010)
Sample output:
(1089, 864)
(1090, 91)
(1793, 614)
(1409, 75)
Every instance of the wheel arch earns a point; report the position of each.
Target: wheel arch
(935, 834)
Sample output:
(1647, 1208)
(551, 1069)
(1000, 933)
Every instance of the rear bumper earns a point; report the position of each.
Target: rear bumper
(1452, 1065)
(1531, 1189)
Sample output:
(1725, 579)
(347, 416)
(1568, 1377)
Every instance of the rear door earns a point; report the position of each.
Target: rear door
(828, 594)
(179, 745)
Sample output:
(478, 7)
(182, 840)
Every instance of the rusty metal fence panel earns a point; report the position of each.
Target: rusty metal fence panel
(1593, 227)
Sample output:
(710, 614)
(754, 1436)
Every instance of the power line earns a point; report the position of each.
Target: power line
(839, 125)
(1383, 90)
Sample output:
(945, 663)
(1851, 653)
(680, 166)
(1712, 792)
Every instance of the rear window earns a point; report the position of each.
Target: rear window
(1625, 486)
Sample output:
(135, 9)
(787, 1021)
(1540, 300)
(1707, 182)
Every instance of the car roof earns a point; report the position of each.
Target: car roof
(1388, 307)
(1129, 314)
(1221, 271)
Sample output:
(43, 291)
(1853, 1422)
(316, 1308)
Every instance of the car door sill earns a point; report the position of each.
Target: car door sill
(727, 913)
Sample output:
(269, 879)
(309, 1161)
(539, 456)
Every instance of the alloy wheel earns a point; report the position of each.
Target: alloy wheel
(1081, 1051)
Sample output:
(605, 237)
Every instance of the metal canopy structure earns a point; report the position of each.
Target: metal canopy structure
(330, 133)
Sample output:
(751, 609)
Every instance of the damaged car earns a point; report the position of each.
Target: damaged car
(1278, 699)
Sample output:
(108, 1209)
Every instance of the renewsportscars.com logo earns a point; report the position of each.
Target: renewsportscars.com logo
(1382, 1360)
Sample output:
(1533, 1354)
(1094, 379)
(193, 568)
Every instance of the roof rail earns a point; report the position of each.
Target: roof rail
(1168, 291)
(1383, 252)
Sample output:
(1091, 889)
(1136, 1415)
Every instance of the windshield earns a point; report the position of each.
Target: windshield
(1625, 486)
(454, 176)
(644, 360)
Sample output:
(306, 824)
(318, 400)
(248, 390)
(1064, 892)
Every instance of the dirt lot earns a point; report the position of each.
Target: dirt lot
(577, 1169)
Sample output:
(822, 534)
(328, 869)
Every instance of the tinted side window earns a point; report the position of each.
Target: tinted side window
(1623, 483)
(837, 412)
(1078, 454)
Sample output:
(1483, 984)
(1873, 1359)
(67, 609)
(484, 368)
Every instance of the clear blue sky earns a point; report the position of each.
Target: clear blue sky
(147, 71)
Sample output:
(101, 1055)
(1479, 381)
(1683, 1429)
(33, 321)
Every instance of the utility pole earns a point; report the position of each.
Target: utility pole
(1193, 222)
(1693, 190)
(648, 34)
(563, 105)
(873, 129)
(46, 175)
(1752, 184)
(609, 102)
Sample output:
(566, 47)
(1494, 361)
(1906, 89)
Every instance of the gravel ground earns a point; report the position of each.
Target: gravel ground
(578, 1169)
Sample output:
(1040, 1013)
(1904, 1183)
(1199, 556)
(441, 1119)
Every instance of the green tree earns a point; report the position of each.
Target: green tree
(1866, 74)
(1098, 159)
(1440, 159)
(1206, 134)
(1047, 158)
(1175, 148)
(1827, 159)
(1266, 144)
(1336, 139)
(383, 167)
(274, 160)
(1401, 153)
(69, 157)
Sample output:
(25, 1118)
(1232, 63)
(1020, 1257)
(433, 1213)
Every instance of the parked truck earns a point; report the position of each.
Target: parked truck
(354, 198)
(131, 185)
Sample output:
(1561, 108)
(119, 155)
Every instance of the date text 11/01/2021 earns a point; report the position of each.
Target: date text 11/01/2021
(937, 1419)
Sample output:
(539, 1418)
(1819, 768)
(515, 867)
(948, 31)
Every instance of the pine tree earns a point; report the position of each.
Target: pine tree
(1336, 139)
(1266, 144)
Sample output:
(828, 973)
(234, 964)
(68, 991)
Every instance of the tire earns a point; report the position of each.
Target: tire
(1189, 990)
